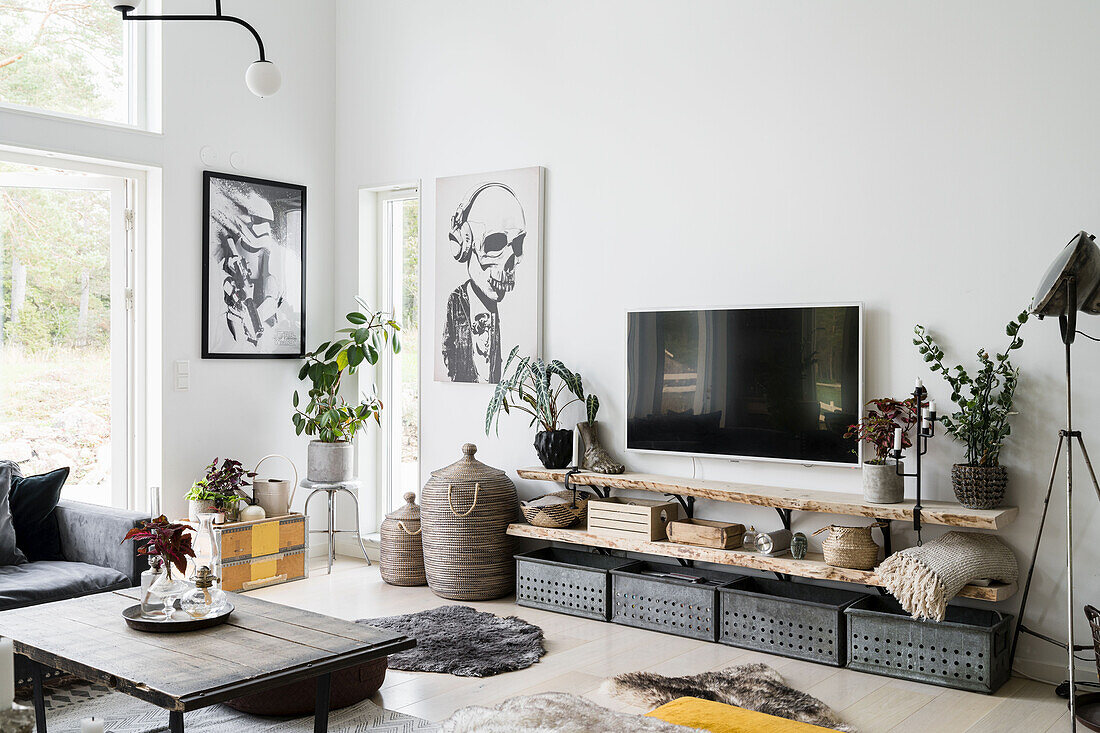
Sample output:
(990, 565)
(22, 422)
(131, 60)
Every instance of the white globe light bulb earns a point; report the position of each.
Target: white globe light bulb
(263, 78)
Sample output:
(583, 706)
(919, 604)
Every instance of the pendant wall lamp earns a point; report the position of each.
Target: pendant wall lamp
(262, 76)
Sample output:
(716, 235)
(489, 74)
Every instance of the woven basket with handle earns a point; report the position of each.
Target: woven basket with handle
(402, 552)
(850, 547)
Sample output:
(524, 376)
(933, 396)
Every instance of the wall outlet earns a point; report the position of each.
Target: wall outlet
(183, 376)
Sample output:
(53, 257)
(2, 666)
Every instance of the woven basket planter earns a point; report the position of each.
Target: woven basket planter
(979, 487)
(558, 516)
(465, 510)
(850, 547)
(402, 552)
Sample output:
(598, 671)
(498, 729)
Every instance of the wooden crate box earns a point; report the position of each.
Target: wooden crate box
(241, 540)
(260, 572)
(706, 533)
(633, 518)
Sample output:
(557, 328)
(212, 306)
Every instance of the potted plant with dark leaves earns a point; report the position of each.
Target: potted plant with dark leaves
(528, 384)
(326, 415)
(220, 490)
(980, 422)
(882, 483)
(159, 538)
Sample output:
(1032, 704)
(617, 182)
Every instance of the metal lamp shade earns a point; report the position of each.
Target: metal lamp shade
(1080, 260)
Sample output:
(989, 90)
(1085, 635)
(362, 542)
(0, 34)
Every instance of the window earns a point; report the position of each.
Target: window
(67, 327)
(399, 240)
(74, 57)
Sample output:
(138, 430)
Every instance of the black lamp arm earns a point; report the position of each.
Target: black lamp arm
(128, 15)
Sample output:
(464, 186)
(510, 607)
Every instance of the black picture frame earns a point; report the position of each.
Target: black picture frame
(242, 202)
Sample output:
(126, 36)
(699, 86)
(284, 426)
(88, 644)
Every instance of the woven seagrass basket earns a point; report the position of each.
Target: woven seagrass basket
(979, 487)
(465, 510)
(402, 552)
(558, 516)
(850, 547)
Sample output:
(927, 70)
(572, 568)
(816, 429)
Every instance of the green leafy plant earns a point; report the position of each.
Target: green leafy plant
(877, 428)
(526, 384)
(327, 414)
(223, 485)
(984, 400)
(161, 538)
(591, 407)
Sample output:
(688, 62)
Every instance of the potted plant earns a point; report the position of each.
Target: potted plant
(882, 483)
(168, 541)
(984, 403)
(220, 490)
(327, 415)
(527, 385)
(595, 457)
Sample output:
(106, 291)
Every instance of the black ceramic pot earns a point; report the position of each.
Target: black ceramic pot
(555, 447)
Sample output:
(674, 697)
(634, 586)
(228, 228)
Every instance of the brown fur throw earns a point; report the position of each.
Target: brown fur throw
(752, 686)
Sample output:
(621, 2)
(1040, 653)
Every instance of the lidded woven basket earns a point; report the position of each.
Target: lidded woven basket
(465, 510)
(402, 552)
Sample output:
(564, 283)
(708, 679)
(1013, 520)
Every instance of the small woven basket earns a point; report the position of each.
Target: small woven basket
(558, 516)
(850, 547)
(402, 551)
(979, 487)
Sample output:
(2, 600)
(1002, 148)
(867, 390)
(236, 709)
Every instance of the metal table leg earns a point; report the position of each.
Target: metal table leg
(358, 535)
(331, 529)
(175, 721)
(320, 713)
(39, 697)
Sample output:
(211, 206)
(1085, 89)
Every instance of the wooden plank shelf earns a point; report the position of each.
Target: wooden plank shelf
(812, 566)
(943, 513)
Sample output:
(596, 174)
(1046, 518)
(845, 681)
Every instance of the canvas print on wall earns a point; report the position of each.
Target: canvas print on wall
(488, 285)
(253, 268)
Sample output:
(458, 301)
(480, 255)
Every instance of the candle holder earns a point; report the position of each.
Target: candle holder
(926, 429)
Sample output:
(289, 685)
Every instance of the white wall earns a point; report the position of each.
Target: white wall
(239, 409)
(926, 158)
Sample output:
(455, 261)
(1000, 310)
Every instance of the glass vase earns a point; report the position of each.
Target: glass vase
(168, 586)
(207, 552)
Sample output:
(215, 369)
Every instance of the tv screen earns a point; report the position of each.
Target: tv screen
(778, 383)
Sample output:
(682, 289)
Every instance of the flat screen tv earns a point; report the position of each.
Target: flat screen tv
(779, 383)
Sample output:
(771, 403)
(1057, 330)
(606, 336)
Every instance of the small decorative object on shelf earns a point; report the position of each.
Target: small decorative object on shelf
(220, 491)
(274, 495)
(205, 598)
(984, 403)
(593, 455)
(643, 519)
(402, 551)
(799, 544)
(172, 543)
(773, 543)
(252, 513)
(749, 541)
(558, 510)
(525, 385)
(706, 533)
(327, 415)
(882, 484)
(850, 547)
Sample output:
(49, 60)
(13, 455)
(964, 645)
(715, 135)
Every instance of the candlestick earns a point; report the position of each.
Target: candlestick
(919, 383)
(897, 438)
(7, 674)
(91, 725)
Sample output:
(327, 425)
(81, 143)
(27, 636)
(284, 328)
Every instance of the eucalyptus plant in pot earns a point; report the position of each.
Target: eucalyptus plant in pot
(326, 414)
(882, 483)
(984, 403)
(527, 384)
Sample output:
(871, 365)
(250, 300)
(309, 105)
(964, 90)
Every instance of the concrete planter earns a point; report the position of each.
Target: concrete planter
(330, 462)
(195, 507)
(882, 484)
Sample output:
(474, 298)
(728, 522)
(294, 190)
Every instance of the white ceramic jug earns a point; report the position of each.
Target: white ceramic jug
(274, 494)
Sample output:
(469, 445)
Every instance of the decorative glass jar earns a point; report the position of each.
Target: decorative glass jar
(168, 587)
(152, 606)
(207, 552)
(205, 598)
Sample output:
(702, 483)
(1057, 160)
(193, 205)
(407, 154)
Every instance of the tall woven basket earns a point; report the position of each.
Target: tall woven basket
(979, 487)
(402, 552)
(465, 510)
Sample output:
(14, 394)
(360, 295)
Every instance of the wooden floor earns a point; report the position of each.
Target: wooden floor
(581, 654)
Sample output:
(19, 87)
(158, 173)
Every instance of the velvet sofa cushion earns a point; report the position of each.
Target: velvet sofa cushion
(9, 549)
(33, 501)
(54, 580)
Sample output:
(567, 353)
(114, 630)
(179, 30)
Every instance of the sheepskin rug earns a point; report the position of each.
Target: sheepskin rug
(752, 686)
(463, 642)
(553, 712)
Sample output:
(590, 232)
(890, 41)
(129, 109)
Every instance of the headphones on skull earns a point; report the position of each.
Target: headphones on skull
(461, 236)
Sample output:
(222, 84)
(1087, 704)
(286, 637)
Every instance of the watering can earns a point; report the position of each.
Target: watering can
(274, 494)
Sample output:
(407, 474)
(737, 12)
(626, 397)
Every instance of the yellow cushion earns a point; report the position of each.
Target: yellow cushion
(718, 717)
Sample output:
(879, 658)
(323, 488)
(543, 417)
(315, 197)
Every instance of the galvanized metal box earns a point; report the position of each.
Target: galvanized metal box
(968, 650)
(665, 598)
(567, 581)
(789, 619)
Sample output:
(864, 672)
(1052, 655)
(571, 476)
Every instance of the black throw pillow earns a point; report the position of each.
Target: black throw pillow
(9, 551)
(33, 500)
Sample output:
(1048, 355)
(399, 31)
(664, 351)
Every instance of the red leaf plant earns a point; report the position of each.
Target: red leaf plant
(170, 541)
(877, 428)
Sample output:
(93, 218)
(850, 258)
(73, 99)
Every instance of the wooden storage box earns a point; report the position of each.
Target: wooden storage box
(644, 519)
(706, 533)
(259, 572)
(261, 537)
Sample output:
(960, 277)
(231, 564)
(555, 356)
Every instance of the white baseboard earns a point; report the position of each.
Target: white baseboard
(1053, 672)
(345, 545)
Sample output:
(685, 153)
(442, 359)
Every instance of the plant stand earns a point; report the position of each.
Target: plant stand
(332, 489)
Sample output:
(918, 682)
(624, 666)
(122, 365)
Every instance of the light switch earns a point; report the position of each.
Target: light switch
(183, 375)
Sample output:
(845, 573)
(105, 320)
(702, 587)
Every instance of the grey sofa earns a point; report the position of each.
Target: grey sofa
(95, 561)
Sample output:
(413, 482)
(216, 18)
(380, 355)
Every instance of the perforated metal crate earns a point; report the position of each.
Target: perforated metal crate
(968, 650)
(640, 597)
(790, 619)
(566, 581)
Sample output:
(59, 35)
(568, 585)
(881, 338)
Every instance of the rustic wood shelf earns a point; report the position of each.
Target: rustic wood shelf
(943, 513)
(812, 566)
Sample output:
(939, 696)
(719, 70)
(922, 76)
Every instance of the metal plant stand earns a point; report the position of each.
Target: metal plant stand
(332, 489)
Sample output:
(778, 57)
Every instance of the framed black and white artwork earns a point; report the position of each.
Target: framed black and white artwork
(488, 272)
(253, 268)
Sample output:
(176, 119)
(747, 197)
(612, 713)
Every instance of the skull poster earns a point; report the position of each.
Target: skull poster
(488, 271)
(253, 268)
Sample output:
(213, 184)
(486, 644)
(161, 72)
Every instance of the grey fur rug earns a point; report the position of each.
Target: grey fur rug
(752, 686)
(463, 642)
(553, 712)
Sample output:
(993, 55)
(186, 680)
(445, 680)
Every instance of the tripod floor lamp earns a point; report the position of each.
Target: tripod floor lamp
(1071, 284)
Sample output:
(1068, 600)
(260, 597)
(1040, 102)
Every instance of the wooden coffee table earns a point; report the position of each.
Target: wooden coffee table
(263, 645)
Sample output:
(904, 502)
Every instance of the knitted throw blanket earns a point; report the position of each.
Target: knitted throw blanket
(925, 578)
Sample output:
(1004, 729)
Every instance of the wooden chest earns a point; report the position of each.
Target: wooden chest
(633, 518)
(263, 552)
